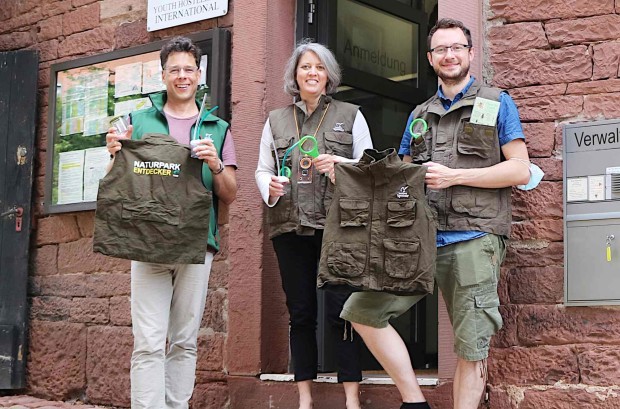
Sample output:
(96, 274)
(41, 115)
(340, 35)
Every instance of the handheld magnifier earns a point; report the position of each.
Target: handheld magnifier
(416, 135)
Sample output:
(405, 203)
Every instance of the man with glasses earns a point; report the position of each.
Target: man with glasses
(474, 150)
(168, 300)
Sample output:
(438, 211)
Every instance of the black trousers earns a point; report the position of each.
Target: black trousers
(298, 258)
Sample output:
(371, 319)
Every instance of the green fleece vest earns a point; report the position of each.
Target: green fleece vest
(453, 141)
(304, 206)
(152, 205)
(380, 233)
(152, 120)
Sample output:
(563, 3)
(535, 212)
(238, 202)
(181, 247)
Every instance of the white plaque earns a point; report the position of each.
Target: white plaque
(169, 13)
(576, 189)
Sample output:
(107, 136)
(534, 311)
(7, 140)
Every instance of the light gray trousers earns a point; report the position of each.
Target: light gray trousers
(167, 302)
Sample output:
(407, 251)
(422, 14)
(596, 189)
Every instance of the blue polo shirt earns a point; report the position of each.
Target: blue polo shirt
(508, 129)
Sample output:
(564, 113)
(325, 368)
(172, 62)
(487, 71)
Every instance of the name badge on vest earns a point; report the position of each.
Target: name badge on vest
(485, 112)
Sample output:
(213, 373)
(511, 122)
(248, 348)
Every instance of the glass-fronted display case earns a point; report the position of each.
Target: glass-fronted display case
(87, 93)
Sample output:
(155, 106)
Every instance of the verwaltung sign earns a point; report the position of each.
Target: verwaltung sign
(169, 13)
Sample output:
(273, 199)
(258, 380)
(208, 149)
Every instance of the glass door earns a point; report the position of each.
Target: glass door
(381, 48)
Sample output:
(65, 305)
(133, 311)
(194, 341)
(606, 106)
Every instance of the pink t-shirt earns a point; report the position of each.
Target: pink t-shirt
(180, 129)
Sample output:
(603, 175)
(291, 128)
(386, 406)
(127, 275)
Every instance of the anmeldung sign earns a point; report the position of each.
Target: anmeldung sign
(169, 13)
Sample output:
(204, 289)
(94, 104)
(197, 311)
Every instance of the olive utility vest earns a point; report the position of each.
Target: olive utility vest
(152, 206)
(304, 206)
(380, 233)
(153, 120)
(453, 141)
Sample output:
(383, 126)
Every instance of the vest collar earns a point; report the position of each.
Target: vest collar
(323, 101)
(378, 164)
(159, 100)
(375, 157)
(158, 139)
(436, 107)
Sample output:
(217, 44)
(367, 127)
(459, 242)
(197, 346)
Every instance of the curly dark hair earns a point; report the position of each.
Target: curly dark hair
(179, 45)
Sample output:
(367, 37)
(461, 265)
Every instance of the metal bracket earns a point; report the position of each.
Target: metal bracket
(311, 11)
(21, 155)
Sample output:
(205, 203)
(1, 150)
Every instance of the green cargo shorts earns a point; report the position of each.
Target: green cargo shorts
(467, 275)
(375, 309)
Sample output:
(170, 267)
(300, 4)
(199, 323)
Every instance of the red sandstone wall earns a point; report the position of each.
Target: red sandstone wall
(80, 325)
(560, 60)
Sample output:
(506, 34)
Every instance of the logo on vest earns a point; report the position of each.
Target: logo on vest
(402, 193)
(157, 168)
(339, 127)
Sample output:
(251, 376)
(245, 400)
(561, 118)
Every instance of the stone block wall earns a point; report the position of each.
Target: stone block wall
(559, 60)
(80, 338)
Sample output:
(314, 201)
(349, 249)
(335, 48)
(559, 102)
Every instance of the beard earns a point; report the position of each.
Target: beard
(453, 77)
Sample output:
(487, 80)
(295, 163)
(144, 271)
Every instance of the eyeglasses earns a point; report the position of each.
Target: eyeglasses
(443, 49)
(175, 71)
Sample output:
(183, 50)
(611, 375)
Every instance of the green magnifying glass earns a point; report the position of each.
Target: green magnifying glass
(314, 150)
(416, 135)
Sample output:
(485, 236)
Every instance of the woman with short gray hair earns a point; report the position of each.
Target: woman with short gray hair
(299, 147)
(332, 69)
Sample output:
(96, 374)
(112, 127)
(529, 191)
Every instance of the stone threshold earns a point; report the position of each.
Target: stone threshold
(366, 380)
(31, 402)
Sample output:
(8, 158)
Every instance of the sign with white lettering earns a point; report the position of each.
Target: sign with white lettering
(169, 13)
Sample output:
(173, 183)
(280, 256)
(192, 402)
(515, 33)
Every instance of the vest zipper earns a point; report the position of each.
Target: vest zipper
(372, 199)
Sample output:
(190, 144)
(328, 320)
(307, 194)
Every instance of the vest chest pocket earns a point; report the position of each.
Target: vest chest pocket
(354, 212)
(282, 144)
(401, 258)
(339, 143)
(347, 259)
(401, 213)
(478, 140)
(419, 149)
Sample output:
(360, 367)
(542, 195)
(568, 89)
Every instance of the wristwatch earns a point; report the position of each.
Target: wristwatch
(220, 169)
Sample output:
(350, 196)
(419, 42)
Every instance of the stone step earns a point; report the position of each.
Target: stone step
(30, 402)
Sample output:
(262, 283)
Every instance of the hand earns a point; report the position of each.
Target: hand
(112, 139)
(206, 151)
(277, 185)
(439, 176)
(324, 163)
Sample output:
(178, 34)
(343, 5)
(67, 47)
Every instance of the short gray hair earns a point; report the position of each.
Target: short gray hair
(327, 58)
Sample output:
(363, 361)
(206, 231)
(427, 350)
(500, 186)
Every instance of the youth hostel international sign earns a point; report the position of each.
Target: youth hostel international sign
(169, 13)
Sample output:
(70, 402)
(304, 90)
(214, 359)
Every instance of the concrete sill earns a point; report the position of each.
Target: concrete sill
(366, 380)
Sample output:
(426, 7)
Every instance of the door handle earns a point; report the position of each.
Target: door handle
(18, 212)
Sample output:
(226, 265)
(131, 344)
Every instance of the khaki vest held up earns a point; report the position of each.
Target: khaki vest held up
(152, 206)
(380, 233)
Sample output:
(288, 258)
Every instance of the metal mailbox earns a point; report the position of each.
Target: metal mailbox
(592, 213)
